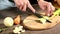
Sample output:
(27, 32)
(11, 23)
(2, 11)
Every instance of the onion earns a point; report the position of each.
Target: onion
(8, 21)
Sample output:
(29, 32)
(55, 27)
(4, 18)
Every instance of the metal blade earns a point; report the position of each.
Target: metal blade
(38, 15)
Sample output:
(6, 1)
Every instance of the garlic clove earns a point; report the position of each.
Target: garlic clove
(23, 31)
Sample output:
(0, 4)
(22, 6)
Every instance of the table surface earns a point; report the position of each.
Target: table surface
(13, 12)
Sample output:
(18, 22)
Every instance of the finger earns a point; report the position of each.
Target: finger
(51, 12)
(17, 2)
(24, 7)
(52, 9)
(21, 7)
(30, 7)
(43, 7)
(48, 10)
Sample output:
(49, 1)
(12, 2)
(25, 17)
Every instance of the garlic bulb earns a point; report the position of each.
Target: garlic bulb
(18, 30)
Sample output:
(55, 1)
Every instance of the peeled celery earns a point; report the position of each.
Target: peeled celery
(56, 13)
(42, 20)
(46, 17)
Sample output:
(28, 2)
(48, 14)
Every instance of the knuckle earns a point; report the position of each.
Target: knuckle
(53, 8)
(25, 2)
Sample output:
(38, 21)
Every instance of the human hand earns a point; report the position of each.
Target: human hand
(23, 4)
(46, 6)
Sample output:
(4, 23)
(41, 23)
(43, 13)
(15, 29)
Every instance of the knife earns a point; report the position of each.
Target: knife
(39, 16)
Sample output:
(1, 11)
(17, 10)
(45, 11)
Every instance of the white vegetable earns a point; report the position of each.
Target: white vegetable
(18, 29)
(42, 20)
(19, 32)
(8, 21)
(15, 31)
(45, 17)
(23, 31)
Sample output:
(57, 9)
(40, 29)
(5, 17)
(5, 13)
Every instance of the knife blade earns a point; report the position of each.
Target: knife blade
(39, 16)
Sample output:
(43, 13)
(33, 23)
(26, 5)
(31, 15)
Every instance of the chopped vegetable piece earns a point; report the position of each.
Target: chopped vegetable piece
(42, 20)
(17, 20)
(56, 13)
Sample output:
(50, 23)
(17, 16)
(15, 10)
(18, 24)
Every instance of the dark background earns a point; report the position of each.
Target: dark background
(35, 1)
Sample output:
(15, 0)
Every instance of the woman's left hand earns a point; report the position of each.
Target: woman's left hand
(47, 6)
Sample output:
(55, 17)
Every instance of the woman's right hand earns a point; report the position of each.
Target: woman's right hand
(23, 4)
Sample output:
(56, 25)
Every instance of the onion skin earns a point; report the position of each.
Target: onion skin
(17, 20)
